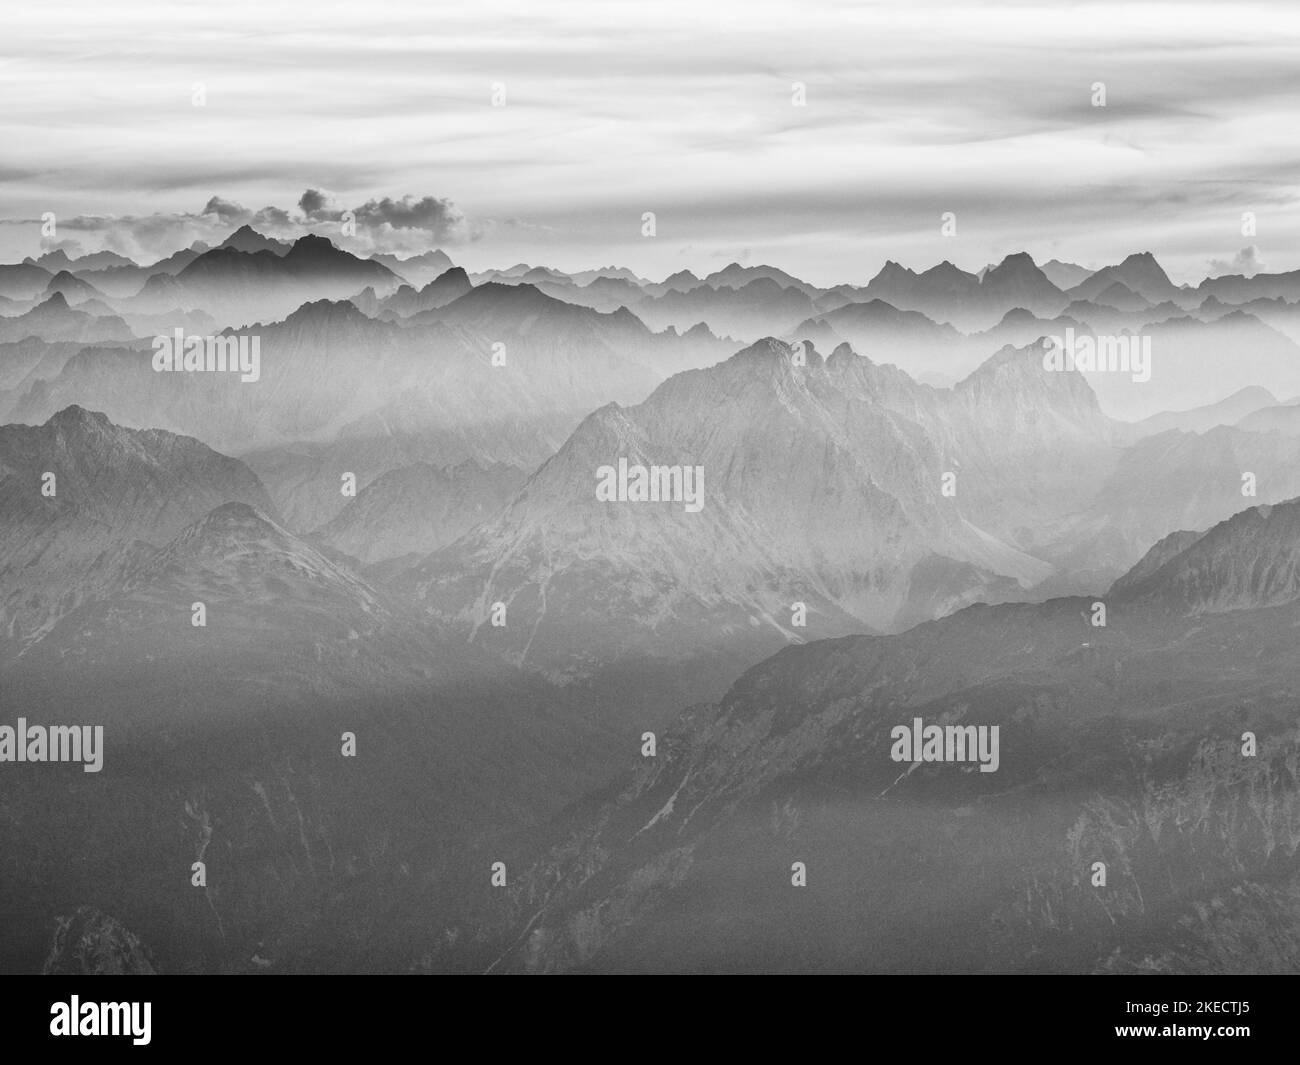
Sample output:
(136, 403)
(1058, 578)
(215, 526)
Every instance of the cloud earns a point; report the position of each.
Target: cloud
(439, 216)
(407, 225)
(613, 110)
(1246, 262)
(74, 248)
(319, 206)
(227, 211)
(276, 218)
(523, 225)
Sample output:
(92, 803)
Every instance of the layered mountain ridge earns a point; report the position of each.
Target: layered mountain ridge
(1141, 815)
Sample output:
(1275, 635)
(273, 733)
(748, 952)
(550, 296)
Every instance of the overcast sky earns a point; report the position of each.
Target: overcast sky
(684, 109)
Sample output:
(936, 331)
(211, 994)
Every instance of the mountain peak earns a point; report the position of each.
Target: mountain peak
(452, 275)
(239, 547)
(843, 352)
(522, 294)
(763, 350)
(334, 311)
(1247, 561)
(243, 231)
(76, 416)
(892, 269)
(1018, 314)
(1016, 262)
(1144, 258)
(248, 239)
(944, 269)
(1145, 262)
(313, 246)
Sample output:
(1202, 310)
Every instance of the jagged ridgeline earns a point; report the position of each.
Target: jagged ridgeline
(533, 620)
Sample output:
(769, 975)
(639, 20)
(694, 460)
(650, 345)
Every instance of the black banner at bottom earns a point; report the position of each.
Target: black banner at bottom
(342, 1014)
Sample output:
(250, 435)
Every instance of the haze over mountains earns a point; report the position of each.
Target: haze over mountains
(395, 531)
(1120, 745)
(868, 541)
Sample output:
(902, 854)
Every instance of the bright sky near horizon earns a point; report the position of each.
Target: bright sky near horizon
(684, 109)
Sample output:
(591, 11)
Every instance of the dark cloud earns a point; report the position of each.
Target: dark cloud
(272, 218)
(439, 217)
(227, 211)
(319, 206)
(389, 221)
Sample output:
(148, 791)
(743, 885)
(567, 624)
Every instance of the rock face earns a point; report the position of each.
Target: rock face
(1251, 560)
(91, 943)
(115, 496)
(823, 484)
(311, 740)
(337, 387)
(419, 508)
(347, 709)
(1144, 814)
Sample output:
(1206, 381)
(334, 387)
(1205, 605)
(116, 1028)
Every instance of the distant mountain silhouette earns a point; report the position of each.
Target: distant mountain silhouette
(53, 320)
(247, 239)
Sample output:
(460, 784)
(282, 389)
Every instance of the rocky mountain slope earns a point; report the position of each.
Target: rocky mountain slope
(1162, 746)
(823, 484)
(115, 496)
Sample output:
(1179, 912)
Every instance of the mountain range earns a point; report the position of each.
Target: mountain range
(394, 612)
(1161, 745)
